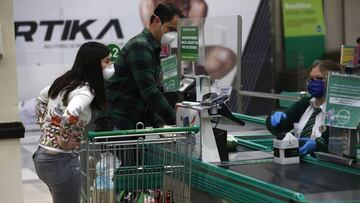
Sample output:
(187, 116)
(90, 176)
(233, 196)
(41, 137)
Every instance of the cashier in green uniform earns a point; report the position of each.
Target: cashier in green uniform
(309, 112)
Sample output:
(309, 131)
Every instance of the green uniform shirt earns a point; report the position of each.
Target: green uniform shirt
(294, 113)
(133, 93)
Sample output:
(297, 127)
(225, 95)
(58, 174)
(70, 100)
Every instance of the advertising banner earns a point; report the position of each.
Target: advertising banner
(49, 33)
(189, 43)
(171, 80)
(114, 51)
(303, 18)
(343, 101)
(347, 55)
(304, 32)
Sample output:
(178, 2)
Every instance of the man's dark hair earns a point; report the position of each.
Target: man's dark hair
(86, 70)
(358, 40)
(166, 13)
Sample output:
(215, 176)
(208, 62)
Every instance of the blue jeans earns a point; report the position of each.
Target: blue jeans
(61, 173)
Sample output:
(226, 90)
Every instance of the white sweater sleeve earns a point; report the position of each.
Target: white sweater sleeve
(41, 103)
(44, 95)
(79, 100)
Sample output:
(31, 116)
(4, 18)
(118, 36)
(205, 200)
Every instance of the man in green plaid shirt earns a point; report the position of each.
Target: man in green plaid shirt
(134, 92)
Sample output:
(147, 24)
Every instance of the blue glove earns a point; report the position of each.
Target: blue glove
(308, 147)
(277, 117)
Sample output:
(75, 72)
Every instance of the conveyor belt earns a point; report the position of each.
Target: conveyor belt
(260, 180)
(314, 181)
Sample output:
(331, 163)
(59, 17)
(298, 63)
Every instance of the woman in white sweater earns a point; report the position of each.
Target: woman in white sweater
(63, 109)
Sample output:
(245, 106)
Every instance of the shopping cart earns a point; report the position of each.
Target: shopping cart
(138, 165)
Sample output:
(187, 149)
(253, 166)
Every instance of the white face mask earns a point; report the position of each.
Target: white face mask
(108, 72)
(167, 38)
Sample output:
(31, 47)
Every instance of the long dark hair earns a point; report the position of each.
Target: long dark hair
(86, 69)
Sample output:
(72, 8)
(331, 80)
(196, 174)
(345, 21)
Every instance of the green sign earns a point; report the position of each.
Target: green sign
(303, 18)
(347, 55)
(189, 43)
(169, 69)
(114, 51)
(304, 32)
(343, 101)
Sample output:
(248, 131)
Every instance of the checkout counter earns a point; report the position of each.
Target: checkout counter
(249, 174)
(252, 176)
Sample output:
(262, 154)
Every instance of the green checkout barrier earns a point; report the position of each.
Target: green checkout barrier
(285, 103)
(236, 187)
(233, 186)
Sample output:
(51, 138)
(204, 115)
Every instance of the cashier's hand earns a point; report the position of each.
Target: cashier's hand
(276, 118)
(308, 147)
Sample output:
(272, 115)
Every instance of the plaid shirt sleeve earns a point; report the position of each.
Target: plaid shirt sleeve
(154, 119)
(142, 66)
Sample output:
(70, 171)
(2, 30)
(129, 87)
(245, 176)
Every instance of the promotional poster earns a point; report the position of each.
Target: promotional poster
(49, 34)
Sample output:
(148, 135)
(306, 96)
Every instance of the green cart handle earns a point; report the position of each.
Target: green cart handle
(93, 134)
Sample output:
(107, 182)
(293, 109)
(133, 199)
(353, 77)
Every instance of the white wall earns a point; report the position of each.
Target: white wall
(342, 22)
(8, 87)
(352, 21)
(333, 23)
(10, 157)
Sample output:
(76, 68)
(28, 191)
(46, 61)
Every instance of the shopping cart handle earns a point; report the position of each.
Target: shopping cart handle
(93, 134)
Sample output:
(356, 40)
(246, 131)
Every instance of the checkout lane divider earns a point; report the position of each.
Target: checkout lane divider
(250, 118)
(266, 142)
(252, 144)
(307, 159)
(233, 192)
(280, 191)
(337, 167)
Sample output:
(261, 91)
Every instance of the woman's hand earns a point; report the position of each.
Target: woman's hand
(70, 144)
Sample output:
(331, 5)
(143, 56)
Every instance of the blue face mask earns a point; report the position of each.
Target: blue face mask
(316, 88)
